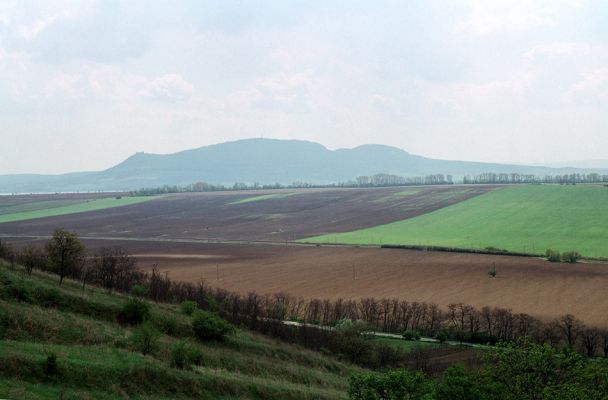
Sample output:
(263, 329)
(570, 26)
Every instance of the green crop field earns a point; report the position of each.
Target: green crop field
(529, 218)
(262, 198)
(38, 210)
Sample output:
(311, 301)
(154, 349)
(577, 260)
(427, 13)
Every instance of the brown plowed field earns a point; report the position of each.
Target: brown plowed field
(529, 285)
(308, 212)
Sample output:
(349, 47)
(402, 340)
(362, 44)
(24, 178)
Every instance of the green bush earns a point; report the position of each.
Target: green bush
(183, 355)
(208, 326)
(411, 335)
(571, 257)
(145, 338)
(443, 335)
(50, 367)
(392, 385)
(16, 290)
(138, 291)
(134, 312)
(189, 307)
(553, 255)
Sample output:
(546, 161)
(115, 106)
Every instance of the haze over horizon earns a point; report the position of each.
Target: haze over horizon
(86, 84)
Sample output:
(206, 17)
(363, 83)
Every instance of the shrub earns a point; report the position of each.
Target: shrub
(18, 291)
(183, 355)
(145, 338)
(208, 326)
(138, 291)
(443, 335)
(571, 257)
(392, 385)
(553, 255)
(133, 312)
(411, 335)
(50, 367)
(189, 307)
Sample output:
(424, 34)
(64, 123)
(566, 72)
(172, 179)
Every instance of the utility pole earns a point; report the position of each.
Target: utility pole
(354, 272)
(217, 272)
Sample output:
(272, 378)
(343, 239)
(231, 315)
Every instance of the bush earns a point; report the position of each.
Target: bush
(16, 290)
(134, 312)
(50, 367)
(443, 335)
(189, 307)
(411, 335)
(392, 385)
(138, 291)
(553, 255)
(571, 257)
(183, 355)
(208, 326)
(145, 338)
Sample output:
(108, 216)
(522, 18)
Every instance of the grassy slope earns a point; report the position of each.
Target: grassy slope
(84, 206)
(96, 359)
(522, 218)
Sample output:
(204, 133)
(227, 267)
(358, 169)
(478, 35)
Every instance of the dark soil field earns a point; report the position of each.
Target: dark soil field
(219, 215)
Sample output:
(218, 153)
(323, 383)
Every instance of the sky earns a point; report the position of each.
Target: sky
(85, 84)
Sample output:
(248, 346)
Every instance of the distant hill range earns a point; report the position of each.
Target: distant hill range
(265, 161)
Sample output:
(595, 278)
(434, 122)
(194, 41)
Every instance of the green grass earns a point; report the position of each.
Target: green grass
(96, 359)
(407, 345)
(528, 218)
(88, 205)
(262, 198)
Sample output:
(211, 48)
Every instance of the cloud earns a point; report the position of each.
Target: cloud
(564, 49)
(31, 31)
(592, 88)
(463, 96)
(493, 17)
(169, 87)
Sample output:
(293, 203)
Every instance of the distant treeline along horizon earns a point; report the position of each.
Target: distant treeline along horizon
(385, 180)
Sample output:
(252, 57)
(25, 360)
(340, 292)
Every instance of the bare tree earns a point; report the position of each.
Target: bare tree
(65, 253)
(31, 257)
(570, 328)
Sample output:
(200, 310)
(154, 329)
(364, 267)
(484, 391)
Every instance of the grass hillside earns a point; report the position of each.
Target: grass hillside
(96, 357)
(35, 210)
(528, 218)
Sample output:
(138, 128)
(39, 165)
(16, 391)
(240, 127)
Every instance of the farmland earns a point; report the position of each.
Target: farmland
(522, 284)
(247, 246)
(529, 218)
(23, 211)
(277, 215)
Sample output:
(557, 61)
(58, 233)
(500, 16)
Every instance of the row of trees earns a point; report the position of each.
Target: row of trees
(378, 180)
(114, 269)
(514, 178)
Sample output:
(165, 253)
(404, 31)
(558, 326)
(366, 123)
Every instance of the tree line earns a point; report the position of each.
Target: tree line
(114, 269)
(377, 180)
(514, 178)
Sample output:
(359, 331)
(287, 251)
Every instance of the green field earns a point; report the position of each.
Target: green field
(41, 209)
(528, 218)
(262, 198)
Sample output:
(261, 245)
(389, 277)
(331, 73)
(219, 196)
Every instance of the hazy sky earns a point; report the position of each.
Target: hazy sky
(84, 84)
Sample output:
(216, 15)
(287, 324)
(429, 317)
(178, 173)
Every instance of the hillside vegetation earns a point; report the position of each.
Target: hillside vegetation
(63, 342)
(529, 218)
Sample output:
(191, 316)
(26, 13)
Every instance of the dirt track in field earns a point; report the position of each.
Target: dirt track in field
(528, 285)
(309, 212)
